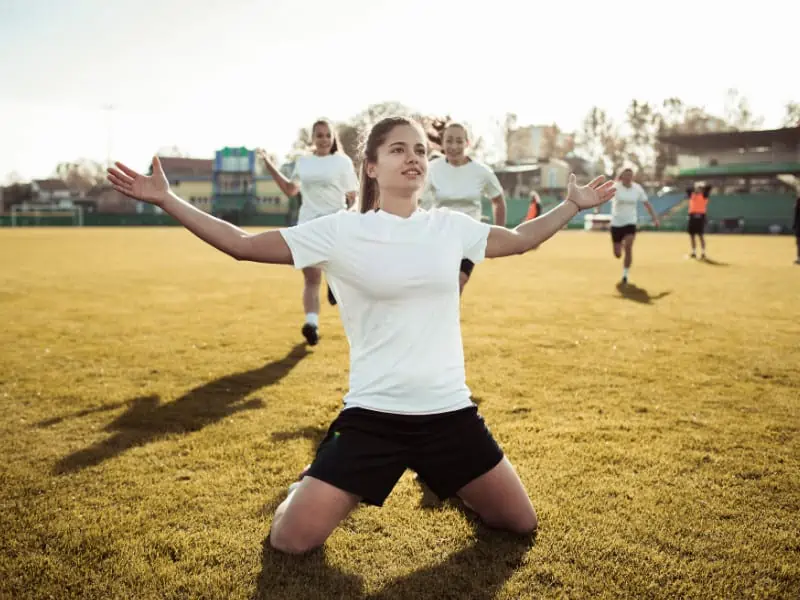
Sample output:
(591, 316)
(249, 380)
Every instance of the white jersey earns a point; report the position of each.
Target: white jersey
(323, 181)
(399, 302)
(460, 188)
(625, 204)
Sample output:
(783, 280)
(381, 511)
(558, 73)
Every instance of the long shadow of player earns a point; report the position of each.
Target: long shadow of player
(476, 572)
(147, 420)
(629, 291)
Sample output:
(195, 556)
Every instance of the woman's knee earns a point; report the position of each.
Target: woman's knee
(309, 515)
(522, 520)
(285, 539)
(526, 523)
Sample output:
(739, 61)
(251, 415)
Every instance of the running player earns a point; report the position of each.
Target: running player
(328, 182)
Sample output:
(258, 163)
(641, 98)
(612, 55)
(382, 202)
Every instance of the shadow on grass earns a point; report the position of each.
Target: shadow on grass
(476, 572)
(630, 291)
(313, 434)
(147, 420)
(81, 413)
(712, 262)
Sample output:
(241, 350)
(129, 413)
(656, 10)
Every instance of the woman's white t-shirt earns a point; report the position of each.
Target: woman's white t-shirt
(625, 204)
(396, 283)
(460, 188)
(323, 181)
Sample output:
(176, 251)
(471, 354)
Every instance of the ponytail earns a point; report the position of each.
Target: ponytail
(368, 192)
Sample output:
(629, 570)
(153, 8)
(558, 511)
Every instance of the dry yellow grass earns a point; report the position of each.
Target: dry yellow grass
(156, 404)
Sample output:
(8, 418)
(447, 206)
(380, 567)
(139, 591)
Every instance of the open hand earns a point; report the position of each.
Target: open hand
(593, 194)
(152, 189)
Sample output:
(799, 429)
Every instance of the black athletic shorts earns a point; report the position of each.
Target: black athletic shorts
(466, 267)
(696, 224)
(365, 452)
(618, 233)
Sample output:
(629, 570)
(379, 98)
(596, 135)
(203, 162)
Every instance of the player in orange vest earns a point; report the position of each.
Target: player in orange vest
(535, 208)
(698, 206)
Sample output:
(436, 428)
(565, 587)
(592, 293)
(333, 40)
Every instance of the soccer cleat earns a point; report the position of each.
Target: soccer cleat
(311, 333)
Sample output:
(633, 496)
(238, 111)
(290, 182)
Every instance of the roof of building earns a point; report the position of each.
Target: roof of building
(178, 165)
(51, 185)
(734, 139)
(741, 170)
(511, 168)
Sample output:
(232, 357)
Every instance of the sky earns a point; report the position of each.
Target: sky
(201, 75)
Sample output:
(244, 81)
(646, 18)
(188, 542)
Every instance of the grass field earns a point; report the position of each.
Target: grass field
(156, 403)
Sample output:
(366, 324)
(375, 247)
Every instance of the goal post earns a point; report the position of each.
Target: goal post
(27, 215)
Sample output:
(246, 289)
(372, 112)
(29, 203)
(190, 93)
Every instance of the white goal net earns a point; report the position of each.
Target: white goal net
(28, 215)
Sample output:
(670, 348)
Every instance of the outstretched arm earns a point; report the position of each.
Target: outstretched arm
(652, 211)
(267, 247)
(499, 210)
(530, 234)
(290, 188)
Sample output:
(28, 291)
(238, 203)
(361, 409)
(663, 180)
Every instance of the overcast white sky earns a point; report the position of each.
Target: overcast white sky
(200, 76)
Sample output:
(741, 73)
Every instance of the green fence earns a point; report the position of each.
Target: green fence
(760, 213)
(134, 220)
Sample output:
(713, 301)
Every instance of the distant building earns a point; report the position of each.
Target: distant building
(737, 161)
(530, 144)
(545, 176)
(53, 192)
(106, 199)
(230, 185)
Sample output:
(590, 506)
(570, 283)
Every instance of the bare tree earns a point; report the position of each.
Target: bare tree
(601, 140)
(301, 144)
(12, 178)
(172, 151)
(80, 176)
(642, 121)
(556, 143)
(738, 113)
(17, 193)
(792, 117)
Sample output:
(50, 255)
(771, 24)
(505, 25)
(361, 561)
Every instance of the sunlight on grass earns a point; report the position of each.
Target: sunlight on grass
(158, 402)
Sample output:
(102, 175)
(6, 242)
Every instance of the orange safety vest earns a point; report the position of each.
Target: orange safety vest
(698, 204)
